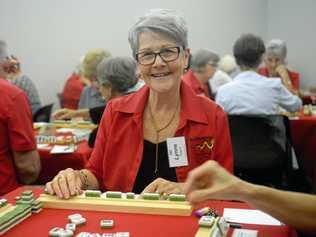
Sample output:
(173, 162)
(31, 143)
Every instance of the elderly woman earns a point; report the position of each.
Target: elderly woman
(90, 96)
(275, 61)
(116, 76)
(148, 141)
(203, 67)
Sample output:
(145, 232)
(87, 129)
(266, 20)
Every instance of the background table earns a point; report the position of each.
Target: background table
(138, 225)
(53, 163)
(303, 132)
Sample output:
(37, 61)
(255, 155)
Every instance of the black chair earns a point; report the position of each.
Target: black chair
(259, 148)
(43, 114)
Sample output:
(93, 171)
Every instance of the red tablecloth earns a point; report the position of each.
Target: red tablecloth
(304, 141)
(53, 163)
(138, 225)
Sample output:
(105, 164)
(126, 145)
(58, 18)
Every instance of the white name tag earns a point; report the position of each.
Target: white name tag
(177, 152)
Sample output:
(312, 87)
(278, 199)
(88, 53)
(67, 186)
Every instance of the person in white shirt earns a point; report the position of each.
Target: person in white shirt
(219, 78)
(249, 92)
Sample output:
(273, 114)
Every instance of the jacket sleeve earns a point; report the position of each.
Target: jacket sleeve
(98, 159)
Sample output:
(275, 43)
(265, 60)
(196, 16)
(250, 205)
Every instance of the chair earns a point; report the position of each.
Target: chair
(259, 148)
(43, 114)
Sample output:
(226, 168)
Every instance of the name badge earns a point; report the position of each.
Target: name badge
(177, 152)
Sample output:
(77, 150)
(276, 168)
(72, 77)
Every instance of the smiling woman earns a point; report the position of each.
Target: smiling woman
(149, 141)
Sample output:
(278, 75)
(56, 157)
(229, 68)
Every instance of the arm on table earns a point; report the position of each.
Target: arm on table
(211, 181)
(70, 113)
(28, 165)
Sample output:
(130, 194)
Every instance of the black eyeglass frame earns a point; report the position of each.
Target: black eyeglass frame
(159, 53)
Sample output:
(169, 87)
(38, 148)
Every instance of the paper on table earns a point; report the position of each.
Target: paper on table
(42, 146)
(58, 149)
(247, 216)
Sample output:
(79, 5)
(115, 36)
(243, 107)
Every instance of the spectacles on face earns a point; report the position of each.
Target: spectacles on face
(166, 54)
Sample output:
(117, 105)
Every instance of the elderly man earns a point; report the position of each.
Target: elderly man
(203, 67)
(19, 160)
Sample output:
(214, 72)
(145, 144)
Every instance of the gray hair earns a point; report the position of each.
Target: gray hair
(276, 47)
(118, 72)
(3, 50)
(248, 50)
(202, 57)
(161, 21)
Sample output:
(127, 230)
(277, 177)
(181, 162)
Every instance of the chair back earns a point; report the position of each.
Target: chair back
(259, 148)
(43, 114)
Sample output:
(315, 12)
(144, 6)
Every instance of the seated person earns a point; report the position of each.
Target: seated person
(219, 78)
(19, 160)
(275, 61)
(17, 78)
(202, 68)
(211, 181)
(228, 64)
(131, 152)
(116, 77)
(73, 89)
(90, 96)
(249, 92)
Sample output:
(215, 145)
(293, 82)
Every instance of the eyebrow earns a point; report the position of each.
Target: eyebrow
(162, 47)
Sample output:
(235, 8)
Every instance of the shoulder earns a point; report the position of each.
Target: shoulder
(9, 90)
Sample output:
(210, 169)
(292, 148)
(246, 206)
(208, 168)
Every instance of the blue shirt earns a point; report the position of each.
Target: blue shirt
(251, 93)
(90, 97)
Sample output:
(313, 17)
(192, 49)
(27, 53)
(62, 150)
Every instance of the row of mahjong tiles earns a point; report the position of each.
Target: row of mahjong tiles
(111, 201)
(11, 215)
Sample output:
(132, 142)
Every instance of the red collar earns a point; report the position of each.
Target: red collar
(191, 104)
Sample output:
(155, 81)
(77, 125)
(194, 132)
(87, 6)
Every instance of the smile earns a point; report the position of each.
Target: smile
(160, 75)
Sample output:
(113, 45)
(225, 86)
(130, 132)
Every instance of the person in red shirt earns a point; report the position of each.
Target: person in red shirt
(19, 160)
(275, 61)
(202, 68)
(72, 91)
(149, 141)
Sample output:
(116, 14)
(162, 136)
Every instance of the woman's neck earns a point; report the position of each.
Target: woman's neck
(163, 101)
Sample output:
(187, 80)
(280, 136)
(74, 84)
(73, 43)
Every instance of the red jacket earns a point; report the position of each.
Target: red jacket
(195, 84)
(118, 150)
(294, 77)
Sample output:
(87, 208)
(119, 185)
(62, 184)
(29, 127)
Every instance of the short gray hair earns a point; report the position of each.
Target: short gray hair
(161, 21)
(277, 47)
(202, 57)
(248, 50)
(119, 72)
(3, 50)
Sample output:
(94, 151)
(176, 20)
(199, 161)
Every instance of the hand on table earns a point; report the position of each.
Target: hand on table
(164, 187)
(64, 114)
(65, 184)
(211, 181)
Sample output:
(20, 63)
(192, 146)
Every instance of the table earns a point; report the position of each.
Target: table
(53, 163)
(139, 225)
(303, 131)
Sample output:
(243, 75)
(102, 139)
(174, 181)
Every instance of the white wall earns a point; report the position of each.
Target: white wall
(294, 21)
(49, 37)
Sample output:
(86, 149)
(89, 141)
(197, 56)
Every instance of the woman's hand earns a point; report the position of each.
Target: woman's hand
(64, 114)
(66, 183)
(164, 187)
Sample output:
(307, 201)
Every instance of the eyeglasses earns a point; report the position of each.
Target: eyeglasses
(166, 54)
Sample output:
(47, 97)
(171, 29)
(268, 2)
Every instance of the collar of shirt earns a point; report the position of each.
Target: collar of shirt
(248, 75)
(191, 106)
